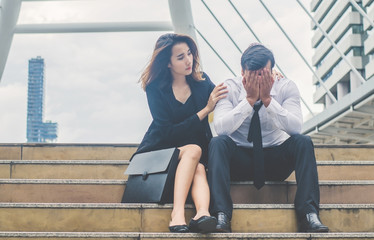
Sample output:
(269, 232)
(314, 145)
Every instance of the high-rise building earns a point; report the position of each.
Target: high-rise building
(37, 130)
(344, 63)
(353, 36)
(369, 39)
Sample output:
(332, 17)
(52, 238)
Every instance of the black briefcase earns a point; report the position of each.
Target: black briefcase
(151, 177)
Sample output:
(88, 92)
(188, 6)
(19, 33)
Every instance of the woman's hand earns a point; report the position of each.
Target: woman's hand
(217, 94)
(277, 75)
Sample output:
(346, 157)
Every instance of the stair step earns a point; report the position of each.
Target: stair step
(63, 169)
(50, 151)
(110, 191)
(344, 152)
(114, 169)
(10, 151)
(343, 170)
(263, 218)
(155, 236)
(61, 190)
(331, 192)
(56, 151)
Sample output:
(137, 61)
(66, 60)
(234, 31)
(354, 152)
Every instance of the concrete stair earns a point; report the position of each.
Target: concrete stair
(110, 191)
(73, 191)
(187, 236)
(39, 151)
(114, 169)
(268, 218)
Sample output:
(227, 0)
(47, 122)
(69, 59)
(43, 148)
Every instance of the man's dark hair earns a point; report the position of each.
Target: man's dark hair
(256, 56)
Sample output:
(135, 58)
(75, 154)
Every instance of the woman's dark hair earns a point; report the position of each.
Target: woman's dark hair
(157, 67)
(256, 56)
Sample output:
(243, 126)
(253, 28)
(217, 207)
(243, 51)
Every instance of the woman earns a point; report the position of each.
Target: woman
(180, 97)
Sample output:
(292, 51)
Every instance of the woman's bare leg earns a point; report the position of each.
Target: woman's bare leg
(189, 158)
(200, 192)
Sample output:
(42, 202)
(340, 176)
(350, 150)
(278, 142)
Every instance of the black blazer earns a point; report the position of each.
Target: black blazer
(164, 130)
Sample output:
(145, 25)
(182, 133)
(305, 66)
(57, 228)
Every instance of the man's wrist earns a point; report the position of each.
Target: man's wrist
(266, 101)
(251, 101)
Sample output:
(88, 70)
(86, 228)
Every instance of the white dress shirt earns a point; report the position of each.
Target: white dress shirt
(281, 119)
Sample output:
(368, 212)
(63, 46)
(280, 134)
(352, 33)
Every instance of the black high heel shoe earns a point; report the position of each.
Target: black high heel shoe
(179, 229)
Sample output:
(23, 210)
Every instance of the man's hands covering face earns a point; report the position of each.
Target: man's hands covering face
(258, 84)
(251, 85)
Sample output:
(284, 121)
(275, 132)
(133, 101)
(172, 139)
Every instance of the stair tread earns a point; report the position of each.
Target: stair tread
(111, 191)
(68, 162)
(124, 151)
(169, 206)
(126, 162)
(116, 181)
(63, 181)
(328, 162)
(186, 235)
(261, 218)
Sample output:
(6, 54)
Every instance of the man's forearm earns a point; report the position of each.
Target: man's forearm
(228, 119)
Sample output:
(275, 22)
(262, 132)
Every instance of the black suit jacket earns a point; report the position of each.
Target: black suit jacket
(165, 131)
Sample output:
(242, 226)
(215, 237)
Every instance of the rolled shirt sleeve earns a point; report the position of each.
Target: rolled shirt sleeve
(230, 113)
(287, 116)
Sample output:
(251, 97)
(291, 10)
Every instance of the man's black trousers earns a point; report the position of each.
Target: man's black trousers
(229, 162)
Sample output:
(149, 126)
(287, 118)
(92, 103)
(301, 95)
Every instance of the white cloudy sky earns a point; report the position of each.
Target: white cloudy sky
(91, 78)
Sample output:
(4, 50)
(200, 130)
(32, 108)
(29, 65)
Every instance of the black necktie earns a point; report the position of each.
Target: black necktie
(254, 135)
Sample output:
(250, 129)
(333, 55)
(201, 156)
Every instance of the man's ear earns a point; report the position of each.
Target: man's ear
(242, 72)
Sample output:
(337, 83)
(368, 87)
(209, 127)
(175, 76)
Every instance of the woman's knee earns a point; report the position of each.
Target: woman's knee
(192, 151)
(200, 170)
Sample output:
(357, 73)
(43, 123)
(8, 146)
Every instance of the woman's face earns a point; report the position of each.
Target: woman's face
(181, 60)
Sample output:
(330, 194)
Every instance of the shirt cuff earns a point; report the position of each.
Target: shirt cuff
(244, 108)
(274, 107)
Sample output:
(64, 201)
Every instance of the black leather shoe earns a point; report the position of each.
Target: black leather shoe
(179, 228)
(311, 223)
(205, 224)
(223, 223)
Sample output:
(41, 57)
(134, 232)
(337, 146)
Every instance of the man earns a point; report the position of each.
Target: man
(258, 126)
